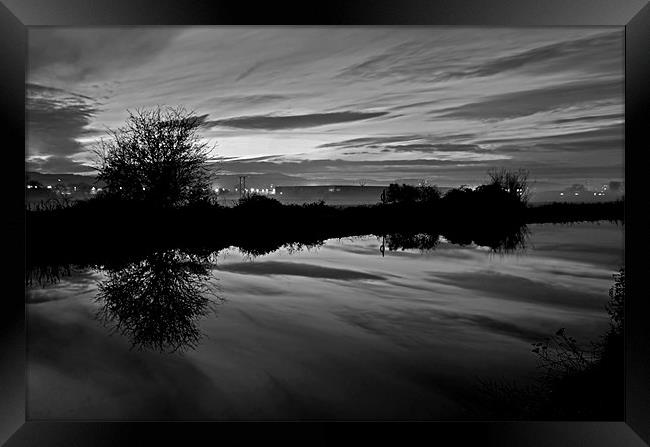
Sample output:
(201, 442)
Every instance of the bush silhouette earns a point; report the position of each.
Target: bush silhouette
(404, 194)
(255, 202)
(512, 183)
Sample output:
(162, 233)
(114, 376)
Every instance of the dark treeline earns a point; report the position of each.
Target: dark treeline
(99, 230)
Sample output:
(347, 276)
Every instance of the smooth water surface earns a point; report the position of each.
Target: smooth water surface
(336, 331)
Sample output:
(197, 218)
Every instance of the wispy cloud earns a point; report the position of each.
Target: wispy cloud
(602, 138)
(55, 118)
(429, 148)
(529, 102)
(79, 54)
(276, 122)
(550, 58)
(248, 71)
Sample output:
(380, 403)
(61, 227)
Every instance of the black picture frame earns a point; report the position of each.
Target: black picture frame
(17, 15)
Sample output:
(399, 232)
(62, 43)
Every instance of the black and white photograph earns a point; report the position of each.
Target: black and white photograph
(325, 223)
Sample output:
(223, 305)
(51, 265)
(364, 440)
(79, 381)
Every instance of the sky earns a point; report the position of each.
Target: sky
(329, 105)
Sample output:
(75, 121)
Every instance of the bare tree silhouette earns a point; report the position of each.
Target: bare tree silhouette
(157, 157)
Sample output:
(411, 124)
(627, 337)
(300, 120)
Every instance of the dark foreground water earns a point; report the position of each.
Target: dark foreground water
(336, 331)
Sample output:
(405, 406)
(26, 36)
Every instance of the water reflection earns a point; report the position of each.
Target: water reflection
(406, 241)
(254, 248)
(43, 274)
(506, 240)
(157, 301)
(302, 329)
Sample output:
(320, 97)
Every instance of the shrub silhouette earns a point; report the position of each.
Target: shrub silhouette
(258, 202)
(512, 183)
(403, 193)
(156, 157)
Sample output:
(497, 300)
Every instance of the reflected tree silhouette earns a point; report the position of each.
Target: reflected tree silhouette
(157, 301)
(405, 241)
(45, 274)
(506, 240)
(255, 248)
(502, 240)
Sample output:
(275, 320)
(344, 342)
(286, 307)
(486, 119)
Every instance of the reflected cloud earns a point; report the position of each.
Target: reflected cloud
(498, 326)
(297, 269)
(515, 288)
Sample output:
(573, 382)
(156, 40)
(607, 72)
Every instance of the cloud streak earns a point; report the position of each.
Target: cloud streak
(278, 122)
(55, 118)
(529, 102)
(77, 55)
(549, 58)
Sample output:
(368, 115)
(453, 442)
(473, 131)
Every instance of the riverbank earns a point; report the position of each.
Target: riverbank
(97, 231)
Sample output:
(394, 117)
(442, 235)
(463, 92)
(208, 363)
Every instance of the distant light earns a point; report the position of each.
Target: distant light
(29, 186)
(595, 193)
(120, 187)
(575, 193)
(49, 186)
(143, 188)
(561, 193)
